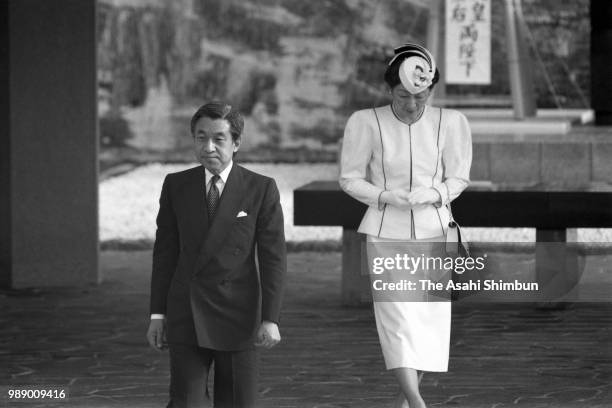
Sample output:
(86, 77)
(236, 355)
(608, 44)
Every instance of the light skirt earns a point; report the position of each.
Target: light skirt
(413, 334)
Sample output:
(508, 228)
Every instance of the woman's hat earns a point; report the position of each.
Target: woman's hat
(418, 68)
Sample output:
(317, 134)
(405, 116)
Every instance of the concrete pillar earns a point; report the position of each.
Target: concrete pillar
(521, 84)
(48, 143)
(435, 44)
(601, 57)
(558, 267)
(355, 272)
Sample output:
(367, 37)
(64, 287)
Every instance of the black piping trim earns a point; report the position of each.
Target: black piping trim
(436, 173)
(410, 146)
(412, 231)
(437, 148)
(378, 200)
(382, 160)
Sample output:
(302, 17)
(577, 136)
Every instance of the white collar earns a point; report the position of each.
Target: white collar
(223, 175)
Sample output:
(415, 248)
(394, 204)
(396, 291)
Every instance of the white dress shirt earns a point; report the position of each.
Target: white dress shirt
(380, 152)
(220, 185)
(222, 178)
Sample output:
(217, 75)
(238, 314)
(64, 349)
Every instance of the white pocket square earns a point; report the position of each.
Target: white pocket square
(241, 214)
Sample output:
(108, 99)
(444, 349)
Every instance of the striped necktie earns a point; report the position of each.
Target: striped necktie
(212, 199)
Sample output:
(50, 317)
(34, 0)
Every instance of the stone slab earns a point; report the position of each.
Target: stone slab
(602, 162)
(514, 162)
(565, 163)
(481, 165)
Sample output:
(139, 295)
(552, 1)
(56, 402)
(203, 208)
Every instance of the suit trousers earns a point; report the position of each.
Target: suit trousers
(235, 379)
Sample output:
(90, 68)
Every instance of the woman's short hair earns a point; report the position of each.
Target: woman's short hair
(392, 73)
(220, 110)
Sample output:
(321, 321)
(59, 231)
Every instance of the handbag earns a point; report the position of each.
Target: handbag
(457, 247)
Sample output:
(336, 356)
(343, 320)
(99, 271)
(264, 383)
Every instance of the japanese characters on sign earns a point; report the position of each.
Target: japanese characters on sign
(468, 42)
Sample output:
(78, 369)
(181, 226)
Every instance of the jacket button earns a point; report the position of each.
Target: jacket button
(223, 282)
(236, 251)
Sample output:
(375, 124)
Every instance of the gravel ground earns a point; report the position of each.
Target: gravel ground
(129, 204)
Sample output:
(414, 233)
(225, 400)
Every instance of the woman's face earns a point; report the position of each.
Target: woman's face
(407, 102)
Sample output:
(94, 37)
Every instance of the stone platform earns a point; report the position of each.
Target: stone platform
(580, 157)
(546, 122)
(91, 341)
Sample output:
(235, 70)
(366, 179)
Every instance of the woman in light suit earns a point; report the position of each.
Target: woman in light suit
(407, 161)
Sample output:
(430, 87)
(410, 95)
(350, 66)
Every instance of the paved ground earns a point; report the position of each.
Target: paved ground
(91, 342)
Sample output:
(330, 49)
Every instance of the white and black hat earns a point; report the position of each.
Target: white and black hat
(417, 69)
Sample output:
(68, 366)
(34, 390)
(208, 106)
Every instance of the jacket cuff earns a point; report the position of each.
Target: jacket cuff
(442, 202)
(381, 205)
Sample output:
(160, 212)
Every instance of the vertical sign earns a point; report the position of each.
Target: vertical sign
(468, 42)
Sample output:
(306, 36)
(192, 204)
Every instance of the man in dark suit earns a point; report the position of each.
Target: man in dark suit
(209, 301)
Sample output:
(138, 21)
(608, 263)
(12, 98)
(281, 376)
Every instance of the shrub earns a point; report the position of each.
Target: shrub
(114, 131)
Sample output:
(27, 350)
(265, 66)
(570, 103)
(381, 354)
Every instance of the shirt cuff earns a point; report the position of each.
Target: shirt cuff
(157, 316)
(270, 321)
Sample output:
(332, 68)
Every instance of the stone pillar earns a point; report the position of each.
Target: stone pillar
(601, 57)
(48, 143)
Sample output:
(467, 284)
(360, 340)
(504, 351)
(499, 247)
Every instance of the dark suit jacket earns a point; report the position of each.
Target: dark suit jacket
(205, 278)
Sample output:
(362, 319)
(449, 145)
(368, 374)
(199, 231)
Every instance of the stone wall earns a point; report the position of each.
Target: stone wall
(297, 68)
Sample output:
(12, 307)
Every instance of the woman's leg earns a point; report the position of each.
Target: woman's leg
(400, 400)
(408, 381)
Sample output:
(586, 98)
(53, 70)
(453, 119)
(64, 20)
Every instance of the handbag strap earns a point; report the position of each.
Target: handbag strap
(450, 214)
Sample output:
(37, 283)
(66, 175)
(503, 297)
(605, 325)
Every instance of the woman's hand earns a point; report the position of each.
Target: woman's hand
(406, 200)
(423, 196)
(398, 198)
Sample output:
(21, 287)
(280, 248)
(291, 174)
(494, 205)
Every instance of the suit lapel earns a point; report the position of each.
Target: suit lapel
(229, 203)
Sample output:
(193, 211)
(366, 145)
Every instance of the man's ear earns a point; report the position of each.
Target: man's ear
(237, 144)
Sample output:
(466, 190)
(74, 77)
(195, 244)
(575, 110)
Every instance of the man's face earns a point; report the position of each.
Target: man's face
(213, 143)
